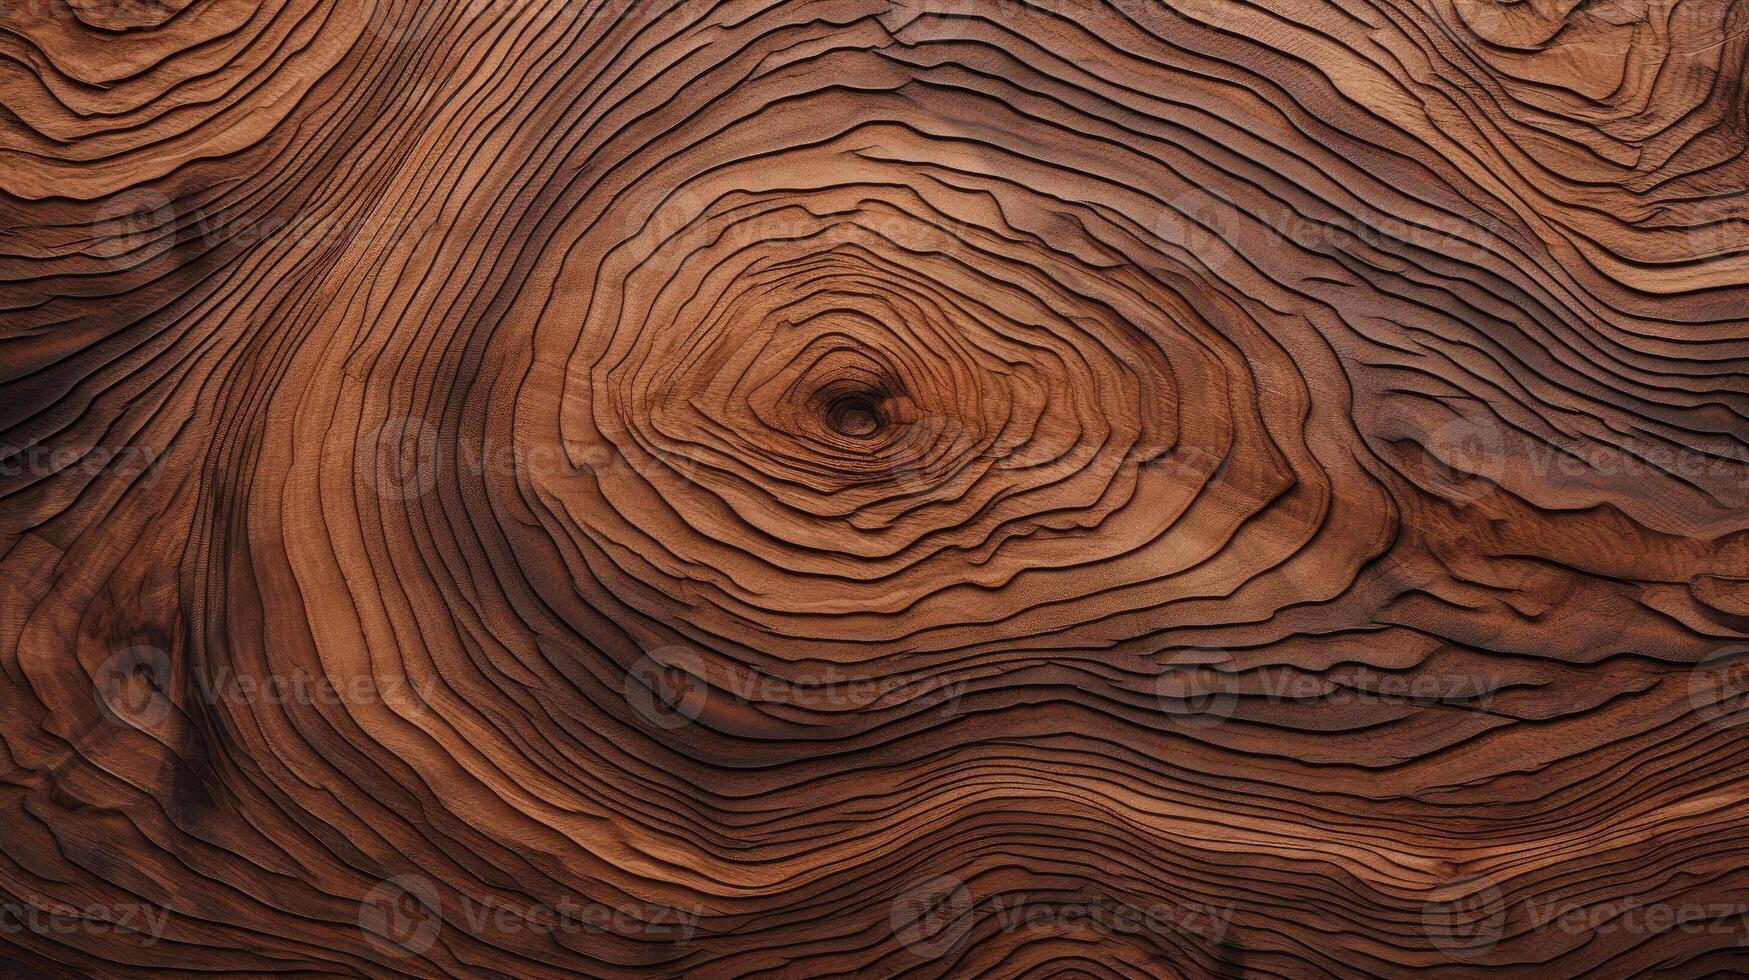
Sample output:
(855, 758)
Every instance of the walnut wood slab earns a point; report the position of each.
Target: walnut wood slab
(1136, 488)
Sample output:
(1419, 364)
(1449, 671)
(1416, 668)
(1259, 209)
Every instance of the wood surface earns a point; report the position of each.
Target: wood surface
(1141, 488)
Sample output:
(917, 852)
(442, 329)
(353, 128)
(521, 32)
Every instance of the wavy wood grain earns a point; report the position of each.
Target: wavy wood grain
(800, 487)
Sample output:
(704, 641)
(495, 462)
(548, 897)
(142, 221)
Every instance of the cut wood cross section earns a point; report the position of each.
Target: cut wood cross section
(537, 488)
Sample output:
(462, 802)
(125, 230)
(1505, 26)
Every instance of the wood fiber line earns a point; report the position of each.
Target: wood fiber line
(1134, 488)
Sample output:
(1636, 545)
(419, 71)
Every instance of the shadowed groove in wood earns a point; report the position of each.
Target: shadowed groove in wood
(787, 487)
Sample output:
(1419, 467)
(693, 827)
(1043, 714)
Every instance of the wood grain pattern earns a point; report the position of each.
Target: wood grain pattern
(528, 488)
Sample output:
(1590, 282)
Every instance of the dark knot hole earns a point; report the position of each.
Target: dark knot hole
(856, 416)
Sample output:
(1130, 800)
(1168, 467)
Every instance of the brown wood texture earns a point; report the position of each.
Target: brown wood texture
(525, 488)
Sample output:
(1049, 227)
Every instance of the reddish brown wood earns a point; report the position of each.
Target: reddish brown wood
(805, 487)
